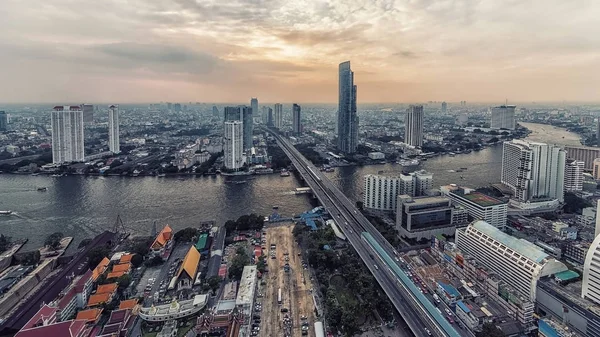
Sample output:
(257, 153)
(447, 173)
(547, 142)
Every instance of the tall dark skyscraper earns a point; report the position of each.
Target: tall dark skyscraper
(413, 134)
(269, 116)
(248, 126)
(215, 111)
(88, 113)
(296, 124)
(254, 106)
(232, 113)
(444, 107)
(3, 121)
(347, 121)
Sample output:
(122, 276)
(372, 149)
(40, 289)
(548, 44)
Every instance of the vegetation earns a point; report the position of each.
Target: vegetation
(53, 241)
(141, 246)
(207, 165)
(137, 260)
(30, 258)
(352, 291)
(213, 282)
(5, 242)
(192, 132)
(574, 204)
(124, 282)
(155, 261)
(261, 264)
(490, 330)
(390, 233)
(245, 222)
(96, 255)
(238, 262)
(308, 151)
(186, 234)
(279, 159)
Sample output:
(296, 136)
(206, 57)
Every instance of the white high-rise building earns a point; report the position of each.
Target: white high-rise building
(574, 175)
(278, 122)
(590, 287)
(503, 117)
(67, 134)
(533, 171)
(381, 191)
(413, 126)
(113, 129)
(233, 144)
(517, 262)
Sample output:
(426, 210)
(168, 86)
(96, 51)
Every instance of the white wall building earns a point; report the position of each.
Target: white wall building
(233, 145)
(67, 134)
(574, 175)
(596, 169)
(245, 296)
(479, 205)
(503, 117)
(591, 272)
(534, 171)
(413, 126)
(381, 191)
(518, 262)
(424, 217)
(113, 129)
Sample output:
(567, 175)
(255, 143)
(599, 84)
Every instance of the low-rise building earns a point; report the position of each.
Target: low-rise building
(45, 323)
(245, 296)
(174, 310)
(186, 276)
(479, 205)
(163, 242)
(471, 315)
(424, 217)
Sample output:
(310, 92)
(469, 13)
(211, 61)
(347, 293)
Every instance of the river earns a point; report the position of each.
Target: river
(84, 206)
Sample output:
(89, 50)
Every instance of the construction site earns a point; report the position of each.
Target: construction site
(287, 289)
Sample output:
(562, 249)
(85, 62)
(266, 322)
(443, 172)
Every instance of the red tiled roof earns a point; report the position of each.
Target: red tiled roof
(107, 288)
(46, 313)
(163, 237)
(72, 328)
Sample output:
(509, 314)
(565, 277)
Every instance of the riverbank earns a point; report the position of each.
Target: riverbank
(546, 133)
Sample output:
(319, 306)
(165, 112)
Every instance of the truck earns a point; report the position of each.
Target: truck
(279, 296)
(319, 330)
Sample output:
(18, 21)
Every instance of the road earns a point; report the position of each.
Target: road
(354, 224)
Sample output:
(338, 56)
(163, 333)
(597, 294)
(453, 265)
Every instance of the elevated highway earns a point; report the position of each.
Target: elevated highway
(376, 252)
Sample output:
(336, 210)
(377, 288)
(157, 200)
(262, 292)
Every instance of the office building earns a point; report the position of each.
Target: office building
(232, 113)
(596, 168)
(518, 262)
(67, 134)
(248, 126)
(264, 115)
(296, 121)
(233, 145)
(278, 118)
(503, 117)
(3, 121)
(479, 205)
(444, 107)
(574, 175)
(347, 120)
(269, 116)
(88, 113)
(254, 107)
(215, 111)
(413, 126)
(533, 171)
(113, 129)
(381, 191)
(423, 217)
(586, 154)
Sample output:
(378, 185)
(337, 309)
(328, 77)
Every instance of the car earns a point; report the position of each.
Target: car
(448, 311)
(450, 319)
(284, 310)
(427, 332)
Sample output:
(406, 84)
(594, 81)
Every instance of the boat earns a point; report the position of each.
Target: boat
(463, 168)
(5, 212)
(161, 175)
(408, 162)
(35, 174)
(284, 173)
(56, 175)
(330, 169)
(42, 189)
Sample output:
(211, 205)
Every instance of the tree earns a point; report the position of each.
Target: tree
(30, 258)
(186, 234)
(574, 204)
(155, 261)
(4, 242)
(124, 282)
(84, 242)
(137, 260)
(53, 241)
(96, 254)
(214, 282)
(489, 330)
(237, 266)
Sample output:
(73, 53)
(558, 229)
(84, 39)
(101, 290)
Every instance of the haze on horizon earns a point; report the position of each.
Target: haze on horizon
(277, 50)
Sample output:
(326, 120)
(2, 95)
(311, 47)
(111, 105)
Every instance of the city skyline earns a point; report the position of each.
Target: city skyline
(288, 52)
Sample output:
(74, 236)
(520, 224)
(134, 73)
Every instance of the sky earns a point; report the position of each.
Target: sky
(128, 51)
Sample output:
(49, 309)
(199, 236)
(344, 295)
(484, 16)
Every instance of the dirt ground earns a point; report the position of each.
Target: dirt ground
(295, 287)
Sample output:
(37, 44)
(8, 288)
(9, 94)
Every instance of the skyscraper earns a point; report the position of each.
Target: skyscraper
(574, 175)
(232, 113)
(233, 144)
(503, 117)
(533, 171)
(67, 134)
(88, 113)
(248, 126)
(413, 126)
(254, 106)
(444, 107)
(278, 120)
(296, 123)
(347, 121)
(590, 288)
(269, 116)
(113, 129)
(215, 111)
(598, 132)
(3, 121)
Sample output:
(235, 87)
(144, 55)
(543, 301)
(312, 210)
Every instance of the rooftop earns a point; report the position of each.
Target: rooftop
(90, 315)
(566, 275)
(100, 268)
(463, 306)
(202, 240)
(98, 299)
(190, 263)
(107, 288)
(247, 285)
(128, 304)
(481, 199)
(163, 237)
(121, 267)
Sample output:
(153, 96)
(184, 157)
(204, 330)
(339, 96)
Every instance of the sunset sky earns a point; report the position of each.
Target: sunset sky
(288, 51)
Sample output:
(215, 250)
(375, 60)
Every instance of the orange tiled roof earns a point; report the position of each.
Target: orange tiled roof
(190, 263)
(98, 299)
(121, 267)
(163, 237)
(90, 315)
(126, 258)
(128, 304)
(106, 288)
(100, 268)
(115, 274)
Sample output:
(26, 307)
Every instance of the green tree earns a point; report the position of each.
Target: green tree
(124, 282)
(490, 330)
(96, 254)
(214, 282)
(237, 266)
(5, 242)
(186, 234)
(137, 260)
(53, 241)
(155, 261)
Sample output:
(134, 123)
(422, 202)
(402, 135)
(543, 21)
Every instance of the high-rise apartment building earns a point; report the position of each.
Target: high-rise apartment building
(67, 134)
(248, 126)
(269, 116)
(591, 273)
(254, 106)
(479, 205)
(113, 129)
(586, 154)
(232, 113)
(233, 144)
(503, 117)
(3, 121)
(88, 113)
(533, 171)
(444, 107)
(278, 118)
(215, 111)
(518, 262)
(347, 120)
(381, 191)
(413, 126)
(574, 175)
(596, 169)
(424, 217)
(296, 121)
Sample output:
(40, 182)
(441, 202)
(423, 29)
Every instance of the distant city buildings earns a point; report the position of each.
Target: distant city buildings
(113, 129)
(533, 171)
(215, 111)
(278, 118)
(233, 145)
(254, 106)
(67, 134)
(503, 117)
(232, 113)
(423, 217)
(413, 126)
(296, 119)
(381, 191)
(586, 154)
(269, 114)
(479, 205)
(347, 119)
(574, 175)
(88, 113)
(596, 168)
(248, 126)
(444, 107)
(3, 121)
